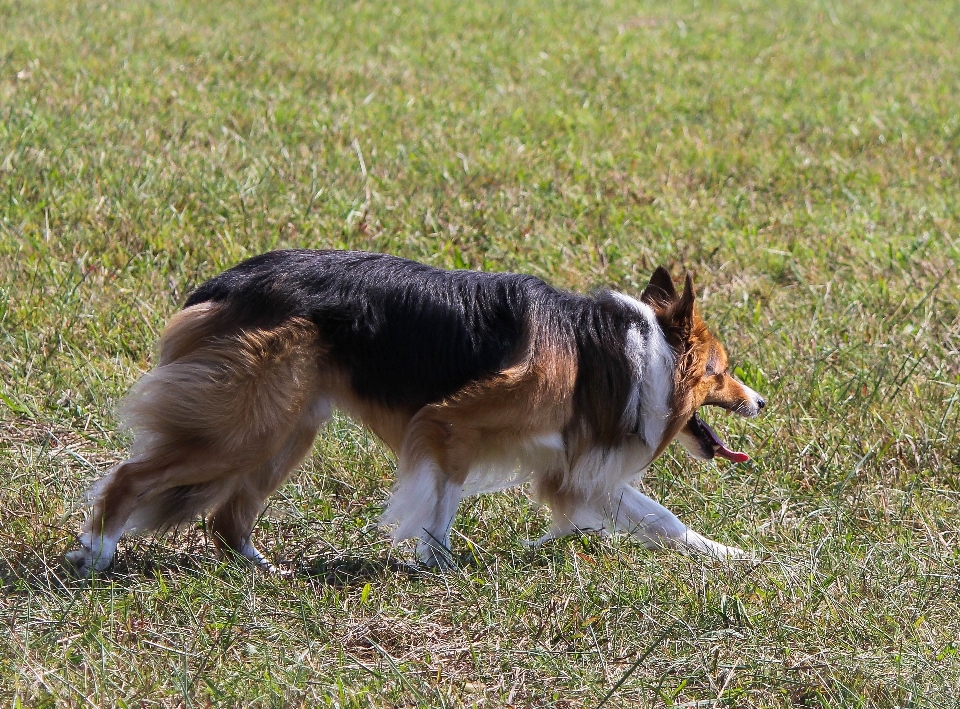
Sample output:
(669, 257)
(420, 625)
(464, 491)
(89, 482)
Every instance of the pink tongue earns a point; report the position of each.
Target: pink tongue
(735, 456)
(722, 450)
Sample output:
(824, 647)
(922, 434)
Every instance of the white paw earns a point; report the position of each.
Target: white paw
(735, 554)
(725, 553)
(253, 555)
(82, 562)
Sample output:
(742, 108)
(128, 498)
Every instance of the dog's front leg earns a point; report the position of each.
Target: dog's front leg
(656, 526)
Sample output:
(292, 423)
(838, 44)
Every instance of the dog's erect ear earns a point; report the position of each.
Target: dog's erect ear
(683, 312)
(660, 289)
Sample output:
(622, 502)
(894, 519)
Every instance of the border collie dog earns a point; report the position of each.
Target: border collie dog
(477, 381)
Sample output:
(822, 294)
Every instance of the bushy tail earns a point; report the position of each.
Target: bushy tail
(221, 404)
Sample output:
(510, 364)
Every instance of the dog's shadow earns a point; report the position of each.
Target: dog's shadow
(349, 570)
(28, 573)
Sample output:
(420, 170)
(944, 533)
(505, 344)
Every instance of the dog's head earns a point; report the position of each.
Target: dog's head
(702, 375)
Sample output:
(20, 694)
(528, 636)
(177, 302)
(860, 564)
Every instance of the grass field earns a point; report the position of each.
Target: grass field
(801, 159)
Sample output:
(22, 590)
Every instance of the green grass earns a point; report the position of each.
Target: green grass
(800, 158)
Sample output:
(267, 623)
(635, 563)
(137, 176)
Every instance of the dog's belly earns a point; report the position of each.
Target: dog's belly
(593, 474)
(507, 463)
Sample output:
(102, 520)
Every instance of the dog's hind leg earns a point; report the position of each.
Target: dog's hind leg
(115, 500)
(203, 420)
(233, 520)
(655, 526)
(232, 524)
(160, 486)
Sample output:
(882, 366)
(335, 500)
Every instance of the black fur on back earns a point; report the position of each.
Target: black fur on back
(410, 334)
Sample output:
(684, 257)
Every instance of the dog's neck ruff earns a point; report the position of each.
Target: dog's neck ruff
(650, 405)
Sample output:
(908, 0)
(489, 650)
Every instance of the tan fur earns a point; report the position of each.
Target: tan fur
(388, 424)
(530, 398)
(187, 329)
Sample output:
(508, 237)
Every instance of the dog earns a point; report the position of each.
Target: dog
(477, 381)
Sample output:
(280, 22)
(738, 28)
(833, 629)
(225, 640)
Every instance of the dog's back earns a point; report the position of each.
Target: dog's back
(406, 333)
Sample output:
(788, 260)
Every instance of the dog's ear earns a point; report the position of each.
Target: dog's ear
(683, 311)
(660, 289)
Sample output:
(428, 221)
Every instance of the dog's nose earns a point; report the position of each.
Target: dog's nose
(761, 403)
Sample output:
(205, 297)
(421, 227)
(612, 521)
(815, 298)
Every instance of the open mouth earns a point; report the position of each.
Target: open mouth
(710, 441)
